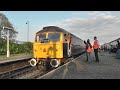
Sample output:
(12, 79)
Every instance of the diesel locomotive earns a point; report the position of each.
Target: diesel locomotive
(53, 45)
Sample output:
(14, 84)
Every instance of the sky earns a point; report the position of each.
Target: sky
(105, 25)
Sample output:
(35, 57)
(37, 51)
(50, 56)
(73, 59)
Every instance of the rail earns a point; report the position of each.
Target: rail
(7, 68)
(28, 72)
(69, 61)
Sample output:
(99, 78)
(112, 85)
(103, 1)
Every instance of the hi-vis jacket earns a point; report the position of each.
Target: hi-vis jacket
(89, 49)
(95, 45)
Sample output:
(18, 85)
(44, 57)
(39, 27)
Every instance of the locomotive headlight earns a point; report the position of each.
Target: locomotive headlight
(33, 62)
(54, 63)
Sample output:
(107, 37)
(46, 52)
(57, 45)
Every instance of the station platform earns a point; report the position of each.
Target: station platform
(107, 68)
(11, 59)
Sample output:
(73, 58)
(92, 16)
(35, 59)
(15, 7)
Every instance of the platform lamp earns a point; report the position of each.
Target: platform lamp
(7, 28)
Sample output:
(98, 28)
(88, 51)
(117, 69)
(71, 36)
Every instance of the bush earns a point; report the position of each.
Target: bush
(15, 48)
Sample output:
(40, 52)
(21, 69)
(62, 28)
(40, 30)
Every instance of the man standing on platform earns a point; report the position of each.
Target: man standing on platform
(96, 47)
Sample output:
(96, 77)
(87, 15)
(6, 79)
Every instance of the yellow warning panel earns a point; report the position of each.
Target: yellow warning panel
(48, 50)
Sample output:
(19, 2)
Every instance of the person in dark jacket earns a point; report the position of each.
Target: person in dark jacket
(85, 42)
(85, 50)
(96, 47)
(118, 50)
(118, 45)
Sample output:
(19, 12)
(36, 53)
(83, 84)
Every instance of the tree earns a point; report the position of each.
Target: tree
(15, 48)
(6, 23)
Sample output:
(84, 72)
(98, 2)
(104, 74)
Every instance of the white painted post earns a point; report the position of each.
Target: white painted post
(8, 51)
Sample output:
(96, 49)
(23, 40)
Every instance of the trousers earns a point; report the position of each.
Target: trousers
(118, 54)
(88, 56)
(96, 54)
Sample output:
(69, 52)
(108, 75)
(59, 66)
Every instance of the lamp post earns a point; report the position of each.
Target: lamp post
(27, 30)
(8, 51)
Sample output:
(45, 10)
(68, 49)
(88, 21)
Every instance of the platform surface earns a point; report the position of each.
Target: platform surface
(107, 68)
(10, 59)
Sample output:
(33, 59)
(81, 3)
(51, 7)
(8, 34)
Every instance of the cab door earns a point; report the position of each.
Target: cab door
(67, 45)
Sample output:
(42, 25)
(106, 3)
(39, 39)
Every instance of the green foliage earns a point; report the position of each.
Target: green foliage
(4, 22)
(15, 48)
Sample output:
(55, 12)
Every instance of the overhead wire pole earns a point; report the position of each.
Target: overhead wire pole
(27, 30)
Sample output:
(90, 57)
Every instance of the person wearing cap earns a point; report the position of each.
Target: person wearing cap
(96, 47)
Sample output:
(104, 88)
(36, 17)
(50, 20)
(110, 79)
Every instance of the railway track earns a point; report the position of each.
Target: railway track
(28, 72)
(69, 60)
(39, 74)
(11, 68)
(15, 72)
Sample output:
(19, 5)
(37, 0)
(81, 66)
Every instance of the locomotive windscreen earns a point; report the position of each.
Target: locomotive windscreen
(43, 36)
(54, 36)
(40, 36)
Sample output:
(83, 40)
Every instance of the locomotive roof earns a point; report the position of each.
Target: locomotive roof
(52, 29)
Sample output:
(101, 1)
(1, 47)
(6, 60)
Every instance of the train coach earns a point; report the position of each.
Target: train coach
(53, 45)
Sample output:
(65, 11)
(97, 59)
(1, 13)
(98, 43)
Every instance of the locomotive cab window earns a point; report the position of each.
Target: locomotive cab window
(65, 37)
(40, 37)
(54, 36)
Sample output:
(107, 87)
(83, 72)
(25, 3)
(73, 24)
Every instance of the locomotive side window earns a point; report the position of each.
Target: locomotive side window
(37, 38)
(43, 36)
(54, 36)
(40, 37)
(65, 37)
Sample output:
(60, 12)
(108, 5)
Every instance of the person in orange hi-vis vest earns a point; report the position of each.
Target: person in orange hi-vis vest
(69, 40)
(88, 50)
(96, 47)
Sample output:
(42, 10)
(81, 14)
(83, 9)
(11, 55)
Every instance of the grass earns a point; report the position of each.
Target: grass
(16, 56)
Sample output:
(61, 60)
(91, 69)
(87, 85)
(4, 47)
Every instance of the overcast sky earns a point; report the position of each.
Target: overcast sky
(84, 24)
